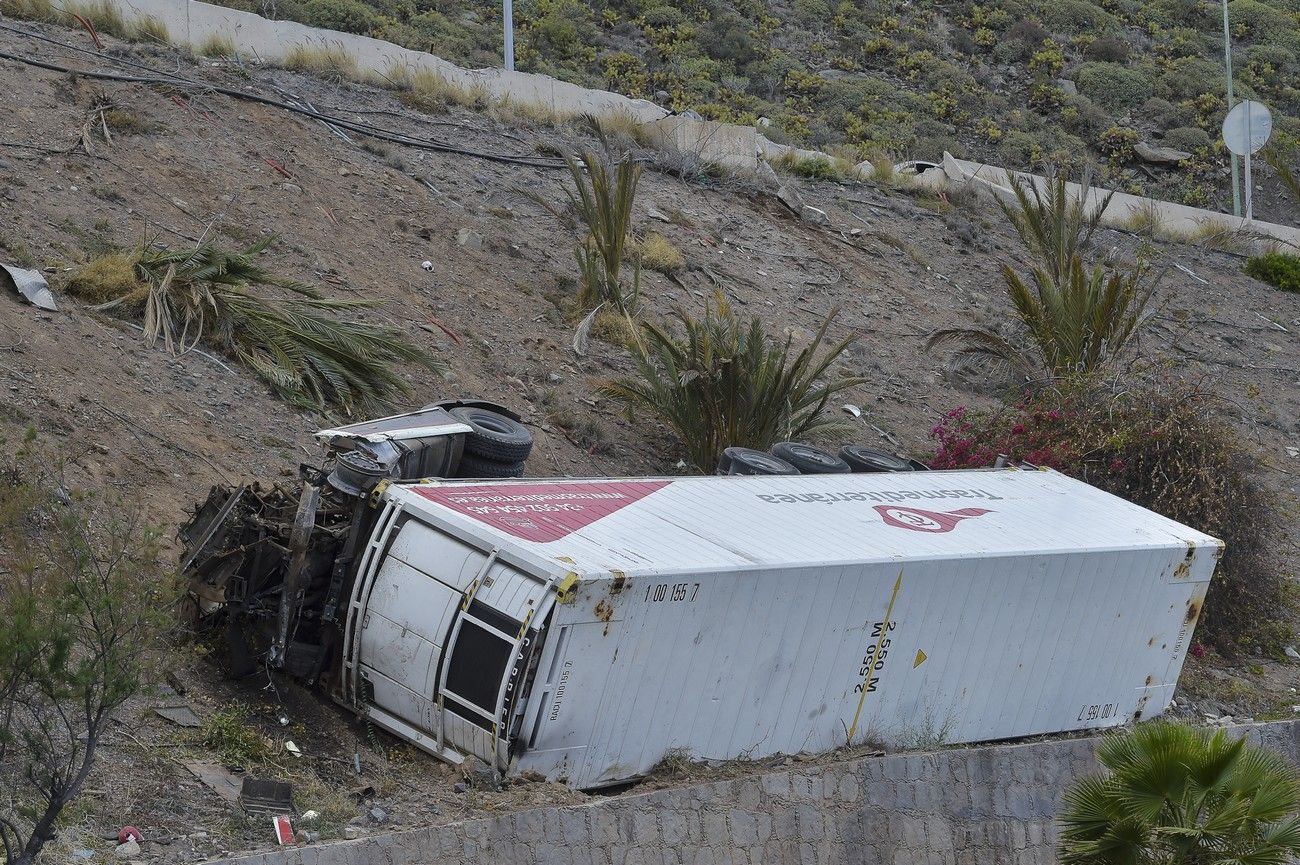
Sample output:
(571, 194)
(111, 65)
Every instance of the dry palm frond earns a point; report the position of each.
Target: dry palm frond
(726, 383)
(294, 343)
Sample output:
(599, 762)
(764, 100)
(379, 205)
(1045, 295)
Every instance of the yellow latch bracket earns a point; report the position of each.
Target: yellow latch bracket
(566, 591)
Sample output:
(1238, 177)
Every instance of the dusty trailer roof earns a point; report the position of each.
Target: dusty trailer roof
(702, 524)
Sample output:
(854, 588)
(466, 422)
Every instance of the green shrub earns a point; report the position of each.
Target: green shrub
(1189, 77)
(1162, 113)
(1278, 269)
(1253, 21)
(1083, 117)
(1112, 86)
(1165, 446)
(1117, 143)
(728, 383)
(1108, 49)
(349, 16)
(1176, 795)
(1187, 138)
(1078, 16)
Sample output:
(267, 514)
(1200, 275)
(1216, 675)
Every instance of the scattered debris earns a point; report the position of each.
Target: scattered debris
(815, 215)
(266, 796)
(129, 833)
(175, 681)
(83, 853)
(292, 748)
(852, 409)
(1290, 652)
(790, 197)
(283, 829)
(427, 265)
(309, 816)
(469, 238)
(181, 715)
(31, 285)
(219, 779)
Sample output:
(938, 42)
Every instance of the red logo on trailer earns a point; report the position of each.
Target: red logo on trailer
(540, 512)
(926, 521)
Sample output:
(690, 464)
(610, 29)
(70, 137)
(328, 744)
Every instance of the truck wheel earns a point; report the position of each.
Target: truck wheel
(495, 436)
(746, 461)
(810, 460)
(865, 459)
(474, 466)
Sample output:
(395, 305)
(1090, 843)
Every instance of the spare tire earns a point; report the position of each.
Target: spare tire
(474, 466)
(495, 436)
(865, 459)
(810, 460)
(747, 461)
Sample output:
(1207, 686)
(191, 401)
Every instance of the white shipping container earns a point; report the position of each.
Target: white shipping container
(596, 626)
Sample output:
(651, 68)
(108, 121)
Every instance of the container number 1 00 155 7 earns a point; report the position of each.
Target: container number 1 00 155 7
(655, 592)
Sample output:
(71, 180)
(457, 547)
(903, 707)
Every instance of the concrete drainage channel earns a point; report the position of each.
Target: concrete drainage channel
(989, 804)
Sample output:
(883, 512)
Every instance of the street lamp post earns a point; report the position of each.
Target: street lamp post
(508, 25)
(1227, 62)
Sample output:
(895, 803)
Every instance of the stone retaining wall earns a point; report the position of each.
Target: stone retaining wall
(989, 805)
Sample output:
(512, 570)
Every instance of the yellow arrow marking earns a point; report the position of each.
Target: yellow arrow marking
(920, 659)
(871, 667)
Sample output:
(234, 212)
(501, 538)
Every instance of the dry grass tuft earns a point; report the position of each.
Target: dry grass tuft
(330, 61)
(658, 253)
(149, 29)
(217, 46)
(107, 278)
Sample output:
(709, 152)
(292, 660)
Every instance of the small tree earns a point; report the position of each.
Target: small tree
(1176, 795)
(83, 598)
(727, 383)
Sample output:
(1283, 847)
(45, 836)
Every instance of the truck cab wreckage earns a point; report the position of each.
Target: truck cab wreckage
(585, 629)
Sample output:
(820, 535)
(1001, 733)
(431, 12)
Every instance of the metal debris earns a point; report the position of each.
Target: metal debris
(181, 715)
(266, 796)
(219, 779)
(31, 285)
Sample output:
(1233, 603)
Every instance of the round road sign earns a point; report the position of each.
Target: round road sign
(1247, 127)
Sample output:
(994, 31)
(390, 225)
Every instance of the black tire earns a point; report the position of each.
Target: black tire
(810, 460)
(474, 466)
(495, 436)
(746, 461)
(864, 459)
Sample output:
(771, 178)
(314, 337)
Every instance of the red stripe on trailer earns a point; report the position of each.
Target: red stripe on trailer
(540, 512)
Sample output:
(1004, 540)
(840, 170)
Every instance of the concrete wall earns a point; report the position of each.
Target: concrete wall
(190, 22)
(965, 806)
(1173, 219)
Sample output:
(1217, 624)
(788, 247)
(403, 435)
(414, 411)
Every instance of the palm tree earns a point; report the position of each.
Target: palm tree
(727, 382)
(1178, 795)
(1077, 317)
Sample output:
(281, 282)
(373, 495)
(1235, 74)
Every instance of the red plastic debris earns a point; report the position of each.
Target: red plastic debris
(129, 833)
(283, 829)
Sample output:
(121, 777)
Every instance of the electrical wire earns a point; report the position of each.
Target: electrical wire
(163, 78)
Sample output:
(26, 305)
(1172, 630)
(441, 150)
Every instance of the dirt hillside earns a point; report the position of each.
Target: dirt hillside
(357, 218)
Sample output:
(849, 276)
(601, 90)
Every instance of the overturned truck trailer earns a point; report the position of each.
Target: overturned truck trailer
(585, 629)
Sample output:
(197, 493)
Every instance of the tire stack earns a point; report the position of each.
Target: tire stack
(792, 458)
(497, 447)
